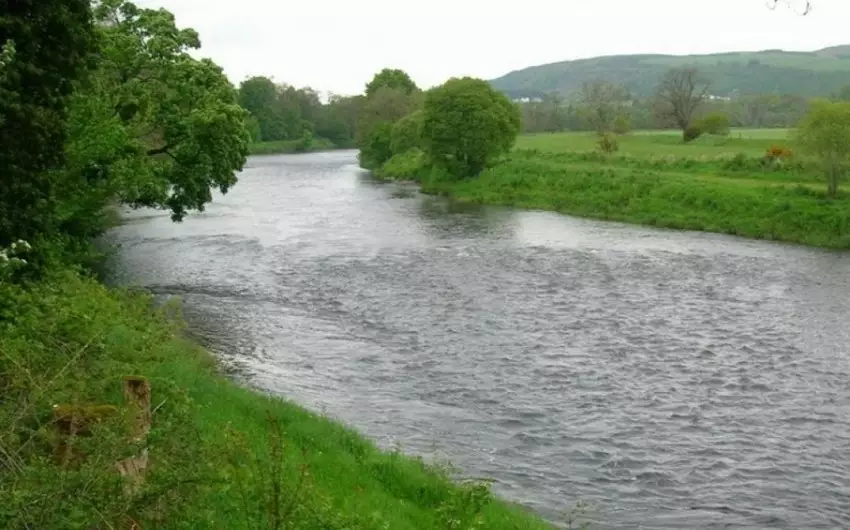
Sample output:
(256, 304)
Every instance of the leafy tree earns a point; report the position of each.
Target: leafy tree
(377, 147)
(716, 123)
(386, 105)
(259, 96)
(407, 133)
(466, 125)
(391, 78)
(177, 129)
(680, 93)
(46, 46)
(601, 102)
(825, 134)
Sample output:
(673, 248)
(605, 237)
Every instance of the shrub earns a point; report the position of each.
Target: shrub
(622, 124)
(691, 133)
(407, 133)
(409, 165)
(715, 123)
(778, 152)
(305, 143)
(607, 143)
(377, 148)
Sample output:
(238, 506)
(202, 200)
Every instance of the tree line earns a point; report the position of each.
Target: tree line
(555, 112)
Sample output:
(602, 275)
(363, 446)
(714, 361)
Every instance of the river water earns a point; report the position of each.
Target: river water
(665, 379)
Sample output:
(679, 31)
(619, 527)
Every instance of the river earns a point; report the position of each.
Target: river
(666, 379)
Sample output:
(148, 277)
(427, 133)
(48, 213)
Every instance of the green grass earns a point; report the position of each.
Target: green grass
(751, 207)
(221, 456)
(752, 142)
(289, 146)
(716, 184)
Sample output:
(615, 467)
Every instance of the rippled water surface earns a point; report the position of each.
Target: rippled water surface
(669, 380)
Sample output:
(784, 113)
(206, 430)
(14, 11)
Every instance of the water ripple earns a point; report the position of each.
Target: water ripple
(669, 379)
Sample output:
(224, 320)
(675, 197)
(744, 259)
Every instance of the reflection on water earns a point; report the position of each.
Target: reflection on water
(669, 379)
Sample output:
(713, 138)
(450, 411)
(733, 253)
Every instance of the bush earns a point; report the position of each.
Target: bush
(778, 152)
(716, 123)
(377, 148)
(607, 143)
(407, 133)
(409, 165)
(691, 133)
(467, 125)
(622, 124)
(305, 143)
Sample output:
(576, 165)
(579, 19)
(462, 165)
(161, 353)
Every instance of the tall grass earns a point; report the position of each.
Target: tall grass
(221, 456)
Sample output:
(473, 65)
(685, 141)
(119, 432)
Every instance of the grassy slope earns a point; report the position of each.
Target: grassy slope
(213, 447)
(713, 184)
(807, 73)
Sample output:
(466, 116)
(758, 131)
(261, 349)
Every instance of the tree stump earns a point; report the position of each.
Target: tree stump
(137, 395)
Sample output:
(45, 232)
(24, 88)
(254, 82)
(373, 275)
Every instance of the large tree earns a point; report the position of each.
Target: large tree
(678, 96)
(174, 126)
(466, 124)
(46, 46)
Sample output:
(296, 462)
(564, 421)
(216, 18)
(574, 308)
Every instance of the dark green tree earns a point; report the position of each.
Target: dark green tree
(391, 78)
(259, 96)
(466, 125)
(47, 45)
(176, 131)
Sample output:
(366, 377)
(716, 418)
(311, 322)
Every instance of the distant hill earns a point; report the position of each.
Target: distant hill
(816, 73)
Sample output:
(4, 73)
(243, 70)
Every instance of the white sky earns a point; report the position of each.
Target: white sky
(337, 45)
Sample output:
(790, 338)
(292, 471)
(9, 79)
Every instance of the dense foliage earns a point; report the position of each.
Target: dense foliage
(282, 112)
(35, 88)
(466, 125)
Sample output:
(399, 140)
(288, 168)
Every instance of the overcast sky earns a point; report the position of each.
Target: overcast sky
(337, 45)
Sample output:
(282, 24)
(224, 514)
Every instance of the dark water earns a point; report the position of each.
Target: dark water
(669, 380)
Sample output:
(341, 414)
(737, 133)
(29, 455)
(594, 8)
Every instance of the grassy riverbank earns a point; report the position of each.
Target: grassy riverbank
(221, 456)
(723, 185)
(293, 146)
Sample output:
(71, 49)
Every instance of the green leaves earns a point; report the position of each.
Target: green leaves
(183, 133)
(466, 125)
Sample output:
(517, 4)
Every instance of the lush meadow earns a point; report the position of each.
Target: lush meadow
(750, 183)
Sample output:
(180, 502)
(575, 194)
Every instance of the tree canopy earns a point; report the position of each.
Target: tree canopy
(104, 101)
(47, 45)
(391, 78)
(466, 125)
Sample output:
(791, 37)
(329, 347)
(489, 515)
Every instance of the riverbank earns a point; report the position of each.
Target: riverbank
(716, 191)
(220, 456)
(285, 147)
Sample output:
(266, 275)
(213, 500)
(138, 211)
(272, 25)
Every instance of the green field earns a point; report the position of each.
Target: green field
(221, 456)
(751, 142)
(717, 184)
